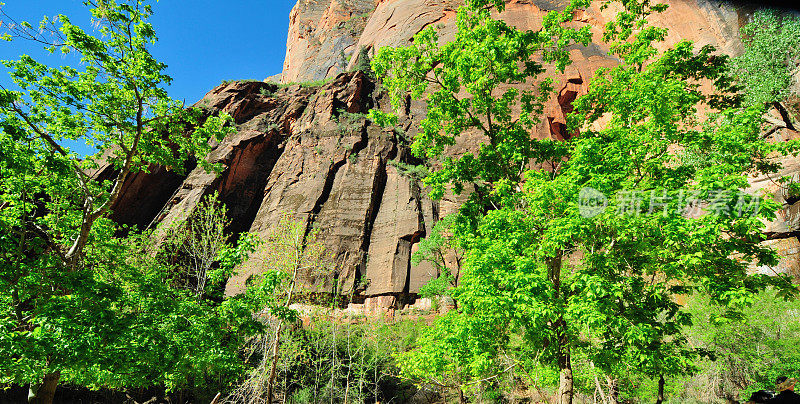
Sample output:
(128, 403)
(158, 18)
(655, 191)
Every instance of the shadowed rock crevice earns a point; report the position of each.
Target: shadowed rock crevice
(144, 194)
(242, 189)
(357, 147)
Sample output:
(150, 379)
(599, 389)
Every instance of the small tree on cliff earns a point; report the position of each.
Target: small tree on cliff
(199, 239)
(771, 55)
(55, 234)
(588, 250)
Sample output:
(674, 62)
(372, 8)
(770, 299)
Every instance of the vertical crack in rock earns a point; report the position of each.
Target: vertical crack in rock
(360, 145)
(378, 190)
(395, 230)
(404, 247)
(418, 275)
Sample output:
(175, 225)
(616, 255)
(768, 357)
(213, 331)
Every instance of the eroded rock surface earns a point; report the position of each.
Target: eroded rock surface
(310, 151)
(322, 37)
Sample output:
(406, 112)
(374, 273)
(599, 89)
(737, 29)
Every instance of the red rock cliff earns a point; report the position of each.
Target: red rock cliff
(312, 151)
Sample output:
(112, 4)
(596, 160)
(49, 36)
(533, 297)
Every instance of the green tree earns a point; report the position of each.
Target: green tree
(438, 248)
(485, 54)
(281, 261)
(537, 263)
(363, 61)
(766, 69)
(199, 240)
(58, 310)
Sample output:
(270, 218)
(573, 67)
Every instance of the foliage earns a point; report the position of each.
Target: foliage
(199, 239)
(750, 352)
(308, 84)
(601, 286)
(72, 305)
(288, 255)
(460, 80)
(416, 172)
(483, 55)
(771, 53)
(334, 357)
(349, 123)
(280, 260)
(226, 82)
(124, 326)
(338, 358)
(363, 62)
(437, 248)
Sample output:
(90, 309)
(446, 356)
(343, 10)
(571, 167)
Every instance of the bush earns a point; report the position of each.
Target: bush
(334, 359)
(751, 352)
(772, 49)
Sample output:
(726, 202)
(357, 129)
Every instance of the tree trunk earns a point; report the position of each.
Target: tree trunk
(274, 366)
(565, 380)
(785, 115)
(599, 389)
(660, 390)
(276, 346)
(43, 392)
(613, 390)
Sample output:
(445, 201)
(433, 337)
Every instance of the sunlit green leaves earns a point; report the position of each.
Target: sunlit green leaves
(82, 301)
(766, 67)
(603, 287)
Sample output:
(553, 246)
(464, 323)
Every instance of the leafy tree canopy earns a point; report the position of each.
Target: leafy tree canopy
(603, 284)
(79, 303)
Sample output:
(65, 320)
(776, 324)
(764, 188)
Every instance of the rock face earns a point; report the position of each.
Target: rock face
(322, 37)
(326, 35)
(310, 151)
(318, 43)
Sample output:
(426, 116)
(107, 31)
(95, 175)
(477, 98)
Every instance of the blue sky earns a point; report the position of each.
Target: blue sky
(202, 41)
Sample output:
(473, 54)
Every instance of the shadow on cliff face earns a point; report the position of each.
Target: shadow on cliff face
(787, 5)
(144, 194)
(242, 187)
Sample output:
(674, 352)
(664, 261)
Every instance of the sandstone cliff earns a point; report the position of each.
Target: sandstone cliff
(394, 23)
(311, 150)
(326, 35)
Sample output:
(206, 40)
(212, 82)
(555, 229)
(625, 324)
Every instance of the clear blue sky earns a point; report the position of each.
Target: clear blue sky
(202, 41)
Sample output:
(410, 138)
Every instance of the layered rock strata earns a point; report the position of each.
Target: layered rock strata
(310, 151)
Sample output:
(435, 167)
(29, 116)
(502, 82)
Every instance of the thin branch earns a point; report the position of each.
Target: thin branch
(54, 146)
